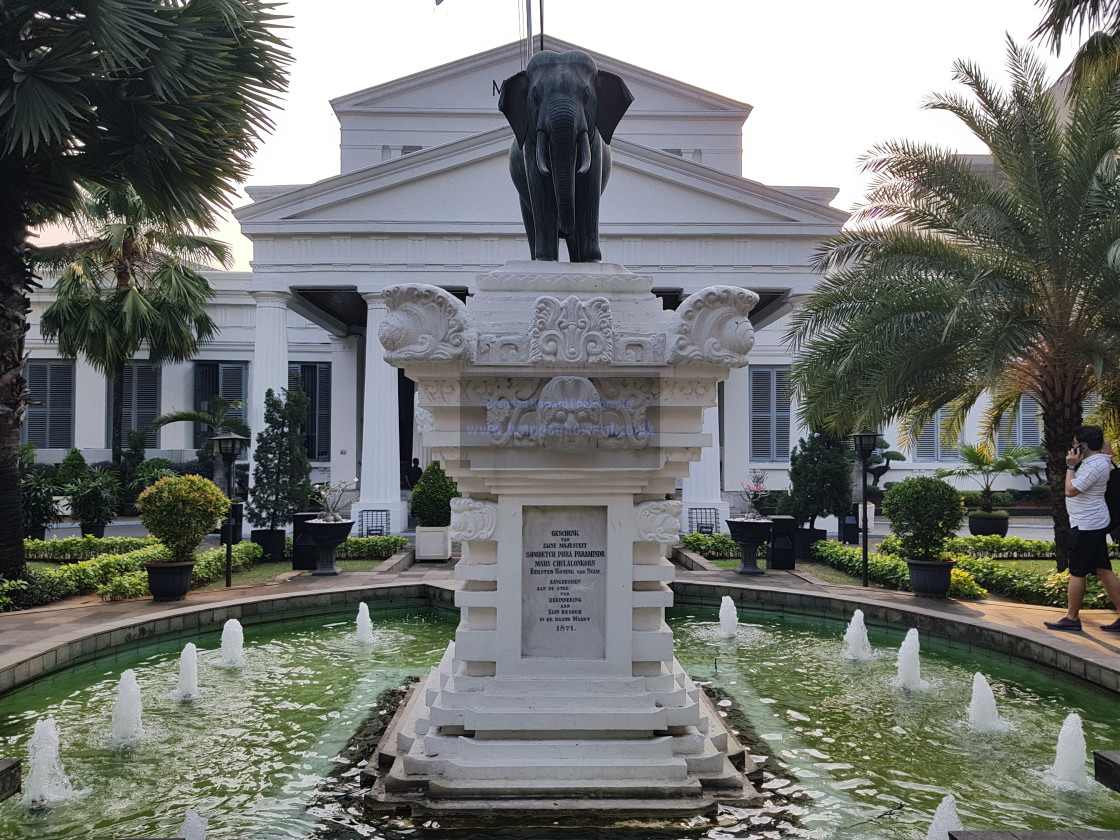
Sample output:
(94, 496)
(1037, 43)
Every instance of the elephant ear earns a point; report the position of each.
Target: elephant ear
(614, 98)
(514, 103)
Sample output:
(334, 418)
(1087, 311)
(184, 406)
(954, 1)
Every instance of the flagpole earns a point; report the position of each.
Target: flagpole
(528, 29)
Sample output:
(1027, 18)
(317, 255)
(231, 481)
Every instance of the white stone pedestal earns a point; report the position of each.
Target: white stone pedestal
(566, 403)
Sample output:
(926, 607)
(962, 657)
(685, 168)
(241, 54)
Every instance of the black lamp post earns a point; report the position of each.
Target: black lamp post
(229, 446)
(864, 444)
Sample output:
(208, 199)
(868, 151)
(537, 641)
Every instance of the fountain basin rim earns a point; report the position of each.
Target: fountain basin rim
(901, 611)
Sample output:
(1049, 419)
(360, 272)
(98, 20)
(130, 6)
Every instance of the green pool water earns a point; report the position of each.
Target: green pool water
(873, 761)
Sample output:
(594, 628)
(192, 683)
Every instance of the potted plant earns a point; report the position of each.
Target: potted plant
(179, 511)
(94, 500)
(40, 508)
(981, 465)
(331, 527)
(925, 513)
(431, 505)
(820, 475)
(281, 471)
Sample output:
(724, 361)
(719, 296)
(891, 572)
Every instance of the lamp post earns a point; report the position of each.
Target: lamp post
(229, 446)
(864, 444)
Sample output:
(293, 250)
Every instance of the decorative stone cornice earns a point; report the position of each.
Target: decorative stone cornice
(659, 522)
(712, 327)
(472, 519)
(425, 324)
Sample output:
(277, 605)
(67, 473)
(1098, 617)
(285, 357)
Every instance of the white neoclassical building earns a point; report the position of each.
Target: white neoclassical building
(423, 195)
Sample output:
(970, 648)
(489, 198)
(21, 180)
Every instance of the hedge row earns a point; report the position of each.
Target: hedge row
(711, 546)
(997, 548)
(362, 548)
(113, 576)
(73, 549)
(1045, 590)
(890, 571)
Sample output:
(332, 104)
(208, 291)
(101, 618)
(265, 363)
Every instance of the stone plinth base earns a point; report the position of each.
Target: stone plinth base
(618, 775)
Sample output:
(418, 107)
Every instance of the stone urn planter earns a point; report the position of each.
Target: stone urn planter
(169, 581)
(931, 578)
(749, 534)
(327, 536)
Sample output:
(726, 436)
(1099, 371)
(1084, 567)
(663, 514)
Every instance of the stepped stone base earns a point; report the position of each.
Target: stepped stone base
(586, 778)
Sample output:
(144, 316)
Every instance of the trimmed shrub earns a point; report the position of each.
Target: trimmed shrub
(925, 514)
(432, 495)
(890, 571)
(362, 548)
(181, 511)
(711, 546)
(73, 549)
(71, 469)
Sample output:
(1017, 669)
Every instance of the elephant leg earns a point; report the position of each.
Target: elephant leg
(583, 243)
(530, 228)
(545, 238)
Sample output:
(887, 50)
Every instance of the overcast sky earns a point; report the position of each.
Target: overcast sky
(827, 79)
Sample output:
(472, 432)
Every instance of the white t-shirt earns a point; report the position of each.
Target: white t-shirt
(1088, 510)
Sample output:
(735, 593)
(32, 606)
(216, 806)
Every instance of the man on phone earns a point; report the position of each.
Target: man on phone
(1087, 467)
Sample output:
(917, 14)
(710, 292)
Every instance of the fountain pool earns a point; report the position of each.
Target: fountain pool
(250, 751)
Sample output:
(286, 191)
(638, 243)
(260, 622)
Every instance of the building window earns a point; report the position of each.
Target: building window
(769, 413)
(49, 420)
(225, 379)
(930, 445)
(140, 404)
(316, 382)
(1025, 430)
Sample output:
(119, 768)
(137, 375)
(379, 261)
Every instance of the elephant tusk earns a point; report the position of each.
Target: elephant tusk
(542, 152)
(584, 153)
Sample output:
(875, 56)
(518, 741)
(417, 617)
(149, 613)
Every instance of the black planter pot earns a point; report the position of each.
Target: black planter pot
(803, 539)
(237, 514)
(327, 536)
(92, 530)
(782, 557)
(305, 555)
(271, 541)
(35, 533)
(980, 525)
(931, 578)
(169, 581)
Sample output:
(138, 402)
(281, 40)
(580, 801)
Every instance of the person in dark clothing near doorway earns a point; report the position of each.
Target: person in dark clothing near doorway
(413, 473)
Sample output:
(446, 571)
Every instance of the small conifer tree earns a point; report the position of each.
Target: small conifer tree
(820, 476)
(432, 495)
(281, 469)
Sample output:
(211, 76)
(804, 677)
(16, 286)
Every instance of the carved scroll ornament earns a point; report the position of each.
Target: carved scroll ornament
(425, 324)
(712, 327)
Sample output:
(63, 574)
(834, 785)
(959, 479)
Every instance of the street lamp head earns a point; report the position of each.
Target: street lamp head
(230, 445)
(864, 443)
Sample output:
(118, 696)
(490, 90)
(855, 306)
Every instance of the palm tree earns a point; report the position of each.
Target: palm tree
(966, 277)
(130, 281)
(218, 416)
(1063, 16)
(169, 98)
(984, 466)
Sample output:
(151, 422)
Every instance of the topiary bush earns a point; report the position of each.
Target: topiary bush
(925, 514)
(71, 469)
(179, 511)
(820, 475)
(432, 495)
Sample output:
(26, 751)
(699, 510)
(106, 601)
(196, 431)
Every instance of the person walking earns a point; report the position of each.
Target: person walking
(1088, 464)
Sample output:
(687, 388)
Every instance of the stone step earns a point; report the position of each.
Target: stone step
(596, 790)
(557, 719)
(646, 749)
(547, 769)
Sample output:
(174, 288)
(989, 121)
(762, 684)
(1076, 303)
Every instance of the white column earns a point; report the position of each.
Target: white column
(344, 410)
(177, 394)
(270, 356)
(702, 487)
(380, 453)
(91, 411)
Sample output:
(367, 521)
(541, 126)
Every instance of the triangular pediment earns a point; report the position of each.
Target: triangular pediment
(465, 187)
(471, 85)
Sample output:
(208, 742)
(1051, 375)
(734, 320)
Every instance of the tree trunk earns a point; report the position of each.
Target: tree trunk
(116, 384)
(1060, 416)
(15, 284)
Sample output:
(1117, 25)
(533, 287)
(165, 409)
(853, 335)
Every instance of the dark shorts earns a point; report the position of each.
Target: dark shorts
(1088, 551)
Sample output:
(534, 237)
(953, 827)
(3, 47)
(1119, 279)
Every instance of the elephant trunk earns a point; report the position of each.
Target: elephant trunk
(563, 152)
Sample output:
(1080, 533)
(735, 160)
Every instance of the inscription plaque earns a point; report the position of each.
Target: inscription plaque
(563, 582)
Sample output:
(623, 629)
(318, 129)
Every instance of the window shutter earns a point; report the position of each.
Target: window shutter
(781, 414)
(926, 450)
(60, 405)
(323, 414)
(761, 386)
(231, 386)
(1030, 422)
(35, 426)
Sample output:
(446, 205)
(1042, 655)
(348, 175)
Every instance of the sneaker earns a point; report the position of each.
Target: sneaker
(1064, 623)
(1114, 627)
